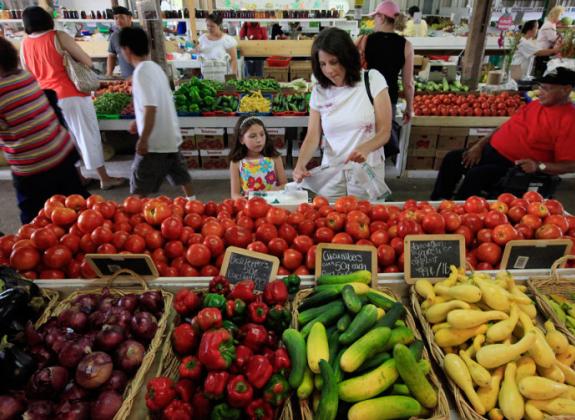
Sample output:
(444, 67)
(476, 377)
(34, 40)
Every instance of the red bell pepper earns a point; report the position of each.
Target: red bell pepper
(186, 302)
(240, 392)
(178, 410)
(260, 410)
(209, 318)
(185, 389)
(253, 335)
(272, 340)
(257, 312)
(276, 292)
(243, 290)
(190, 368)
(217, 349)
(243, 355)
(161, 391)
(202, 406)
(235, 309)
(219, 285)
(276, 390)
(215, 384)
(258, 371)
(184, 338)
(281, 360)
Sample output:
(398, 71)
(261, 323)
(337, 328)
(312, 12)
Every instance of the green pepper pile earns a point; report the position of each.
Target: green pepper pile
(292, 103)
(111, 103)
(249, 85)
(197, 95)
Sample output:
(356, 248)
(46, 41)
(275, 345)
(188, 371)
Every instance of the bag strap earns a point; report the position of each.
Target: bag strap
(58, 44)
(367, 87)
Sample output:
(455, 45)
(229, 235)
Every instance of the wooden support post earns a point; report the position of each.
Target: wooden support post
(115, 3)
(156, 34)
(46, 5)
(475, 47)
(191, 6)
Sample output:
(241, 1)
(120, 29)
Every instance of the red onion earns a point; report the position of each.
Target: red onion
(144, 325)
(98, 319)
(47, 383)
(119, 316)
(73, 393)
(42, 356)
(152, 301)
(110, 337)
(73, 411)
(94, 370)
(106, 406)
(33, 337)
(10, 407)
(130, 355)
(87, 303)
(39, 410)
(117, 382)
(73, 319)
(73, 352)
(129, 302)
(106, 303)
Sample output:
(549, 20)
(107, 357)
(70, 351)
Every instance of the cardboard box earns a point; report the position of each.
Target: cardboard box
(419, 163)
(188, 139)
(422, 153)
(439, 155)
(451, 142)
(423, 138)
(314, 161)
(476, 134)
(278, 137)
(281, 74)
(454, 131)
(192, 159)
(210, 138)
(300, 70)
(214, 159)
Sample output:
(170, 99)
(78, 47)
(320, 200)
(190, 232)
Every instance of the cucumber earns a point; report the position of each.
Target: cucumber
(384, 408)
(315, 401)
(400, 335)
(393, 314)
(295, 345)
(306, 387)
(319, 298)
(361, 323)
(400, 389)
(317, 382)
(309, 314)
(416, 348)
(361, 276)
(317, 347)
(343, 322)
(400, 323)
(374, 362)
(415, 380)
(369, 384)
(350, 299)
(360, 288)
(364, 348)
(328, 405)
(328, 317)
(425, 366)
(380, 299)
(333, 343)
(336, 366)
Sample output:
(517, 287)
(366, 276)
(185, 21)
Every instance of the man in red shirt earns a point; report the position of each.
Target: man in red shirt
(540, 137)
(253, 31)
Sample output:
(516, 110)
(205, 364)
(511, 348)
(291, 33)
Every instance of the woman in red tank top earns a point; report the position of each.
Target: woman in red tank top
(42, 54)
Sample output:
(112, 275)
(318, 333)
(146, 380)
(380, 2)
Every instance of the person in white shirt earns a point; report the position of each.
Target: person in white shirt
(158, 148)
(528, 49)
(355, 128)
(547, 37)
(217, 45)
(416, 25)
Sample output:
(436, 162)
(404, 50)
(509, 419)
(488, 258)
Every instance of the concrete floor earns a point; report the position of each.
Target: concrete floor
(403, 189)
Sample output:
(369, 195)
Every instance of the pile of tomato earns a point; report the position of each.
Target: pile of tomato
(189, 238)
(468, 105)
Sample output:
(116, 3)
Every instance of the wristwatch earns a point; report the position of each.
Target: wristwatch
(541, 167)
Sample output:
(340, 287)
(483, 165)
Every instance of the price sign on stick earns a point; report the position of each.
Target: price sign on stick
(430, 256)
(534, 254)
(345, 259)
(240, 264)
(105, 265)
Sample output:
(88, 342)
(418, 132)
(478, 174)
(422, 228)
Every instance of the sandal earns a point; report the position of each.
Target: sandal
(112, 183)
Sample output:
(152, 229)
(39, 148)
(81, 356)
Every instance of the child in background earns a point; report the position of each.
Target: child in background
(158, 148)
(255, 165)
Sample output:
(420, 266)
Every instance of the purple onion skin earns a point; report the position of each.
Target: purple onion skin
(33, 336)
(110, 337)
(40, 410)
(87, 303)
(94, 370)
(10, 407)
(74, 319)
(73, 352)
(106, 303)
(74, 393)
(144, 325)
(42, 356)
(152, 301)
(47, 383)
(98, 319)
(106, 406)
(128, 302)
(119, 316)
(130, 355)
(117, 382)
(73, 411)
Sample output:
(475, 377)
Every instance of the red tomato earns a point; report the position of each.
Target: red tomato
(302, 271)
(379, 212)
(533, 197)
(548, 231)
(86, 270)
(489, 252)
(238, 236)
(534, 222)
(385, 255)
(172, 228)
(554, 207)
(63, 216)
(24, 258)
(323, 234)
(107, 209)
(119, 239)
(156, 211)
(193, 220)
(302, 243)
(397, 245)
(135, 244)
(256, 207)
(213, 228)
(319, 201)
(295, 219)
(357, 216)
(307, 227)
(287, 232)
(186, 270)
(466, 232)
(342, 238)
(554, 219)
(258, 246)
(174, 249)
(485, 235)
(276, 216)
(452, 221)
(483, 266)
(101, 235)
(143, 229)
(495, 218)
(324, 211)
(52, 274)
(266, 232)
(195, 206)
(89, 220)
(380, 237)
(209, 271)
(524, 231)
(215, 244)
(132, 205)
(159, 255)
(6, 244)
(93, 200)
(246, 223)
(357, 230)
(277, 246)
(346, 204)
(475, 204)
(198, 255)
(154, 240)
(310, 258)
(44, 238)
(516, 213)
(106, 249)
(504, 233)
(472, 221)
(292, 259)
(57, 256)
(211, 208)
(87, 245)
(433, 223)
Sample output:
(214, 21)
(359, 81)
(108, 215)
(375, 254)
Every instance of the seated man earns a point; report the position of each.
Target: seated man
(539, 137)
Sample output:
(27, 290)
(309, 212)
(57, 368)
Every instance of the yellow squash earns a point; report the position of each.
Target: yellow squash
(568, 357)
(465, 292)
(568, 372)
(424, 288)
(525, 367)
(479, 374)
(510, 400)
(525, 304)
(495, 414)
(495, 355)
(457, 371)
(569, 393)
(503, 329)
(438, 312)
(447, 337)
(541, 352)
(488, 394)
(555, 407)
(494, 296)
(555, 339)
(468, 318)
(553, 373)
(533, 413)
(538, 388)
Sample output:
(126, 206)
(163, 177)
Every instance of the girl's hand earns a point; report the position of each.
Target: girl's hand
(299, 174)
(359, 155)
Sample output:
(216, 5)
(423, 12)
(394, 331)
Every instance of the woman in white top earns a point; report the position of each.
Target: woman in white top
(547, 37)
(355, 130)
(528, 49)
(216, 45)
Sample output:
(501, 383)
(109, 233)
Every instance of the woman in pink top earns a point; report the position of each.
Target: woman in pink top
(41, 54)
(547, 38)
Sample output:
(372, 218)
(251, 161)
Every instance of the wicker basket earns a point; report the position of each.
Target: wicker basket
(555, 284)
(52, 297)
(441, 412)
(152, 351)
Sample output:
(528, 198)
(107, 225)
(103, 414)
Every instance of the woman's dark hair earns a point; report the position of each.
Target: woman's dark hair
(239, 151)
(37, 19)
(528, 26)
(338, 43)
(216, 18)
(413, 10)
(136, 40)
(8, 56)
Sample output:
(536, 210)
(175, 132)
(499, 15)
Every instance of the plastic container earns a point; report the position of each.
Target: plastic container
(277, 61)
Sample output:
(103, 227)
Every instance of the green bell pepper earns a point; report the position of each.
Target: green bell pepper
(292, 282)
(224, 412)
(276, 390)
(213, 300)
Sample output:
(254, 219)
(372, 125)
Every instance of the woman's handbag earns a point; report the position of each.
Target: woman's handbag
(83, 77)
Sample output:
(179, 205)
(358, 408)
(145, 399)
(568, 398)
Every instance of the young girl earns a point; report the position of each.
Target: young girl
(255, 165)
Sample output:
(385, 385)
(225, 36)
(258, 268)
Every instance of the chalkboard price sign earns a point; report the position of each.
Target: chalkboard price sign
(240, 264)
(430, 256)
(345, 259)
(105, 265)
(534, 254)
